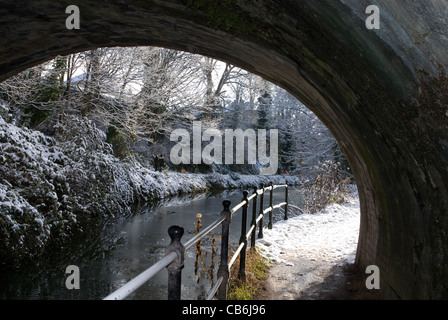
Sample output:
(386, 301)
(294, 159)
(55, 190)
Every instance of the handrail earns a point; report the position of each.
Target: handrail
(139, 280)
(237, 207)
(175, 251)
(215, 288)
(280, 186)
(236, 254)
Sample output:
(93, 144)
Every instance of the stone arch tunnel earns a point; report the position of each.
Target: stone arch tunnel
(383, 93)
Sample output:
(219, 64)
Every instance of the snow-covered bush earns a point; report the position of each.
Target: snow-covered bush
(50, 189)
(93, 173)
(330, 185)
(30, 182)
(23, 228)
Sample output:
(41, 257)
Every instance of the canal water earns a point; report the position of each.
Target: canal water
(122, 250)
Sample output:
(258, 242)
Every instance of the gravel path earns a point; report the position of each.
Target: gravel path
(305, 279)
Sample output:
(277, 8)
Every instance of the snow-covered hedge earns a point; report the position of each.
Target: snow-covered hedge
(30, 181)
(50, 188)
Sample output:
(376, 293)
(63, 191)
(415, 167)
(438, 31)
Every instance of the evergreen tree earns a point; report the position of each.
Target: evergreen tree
(264, 109)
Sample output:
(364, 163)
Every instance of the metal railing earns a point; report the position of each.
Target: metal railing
(175, 251)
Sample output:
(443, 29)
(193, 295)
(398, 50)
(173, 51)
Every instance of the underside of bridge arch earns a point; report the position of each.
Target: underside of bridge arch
(383, 94)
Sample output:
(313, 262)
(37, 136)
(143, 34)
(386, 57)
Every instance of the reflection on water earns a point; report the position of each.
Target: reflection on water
(122, 250)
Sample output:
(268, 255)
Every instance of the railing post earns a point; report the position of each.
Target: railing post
(260, 230)
(286, 200)
(270, 205)
(175, 268)
(223, 270)
(243, 239)
(254, 219)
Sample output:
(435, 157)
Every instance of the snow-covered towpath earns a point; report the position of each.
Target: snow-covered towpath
(308, 253)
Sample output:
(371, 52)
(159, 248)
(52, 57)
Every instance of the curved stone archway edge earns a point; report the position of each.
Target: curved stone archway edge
(382, 93)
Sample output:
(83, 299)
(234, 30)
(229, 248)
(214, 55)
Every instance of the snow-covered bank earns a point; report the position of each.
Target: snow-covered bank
(51, 188)
(331, 235)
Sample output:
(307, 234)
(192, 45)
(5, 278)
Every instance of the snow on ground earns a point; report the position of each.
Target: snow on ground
(308, 254)
(331, 234)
